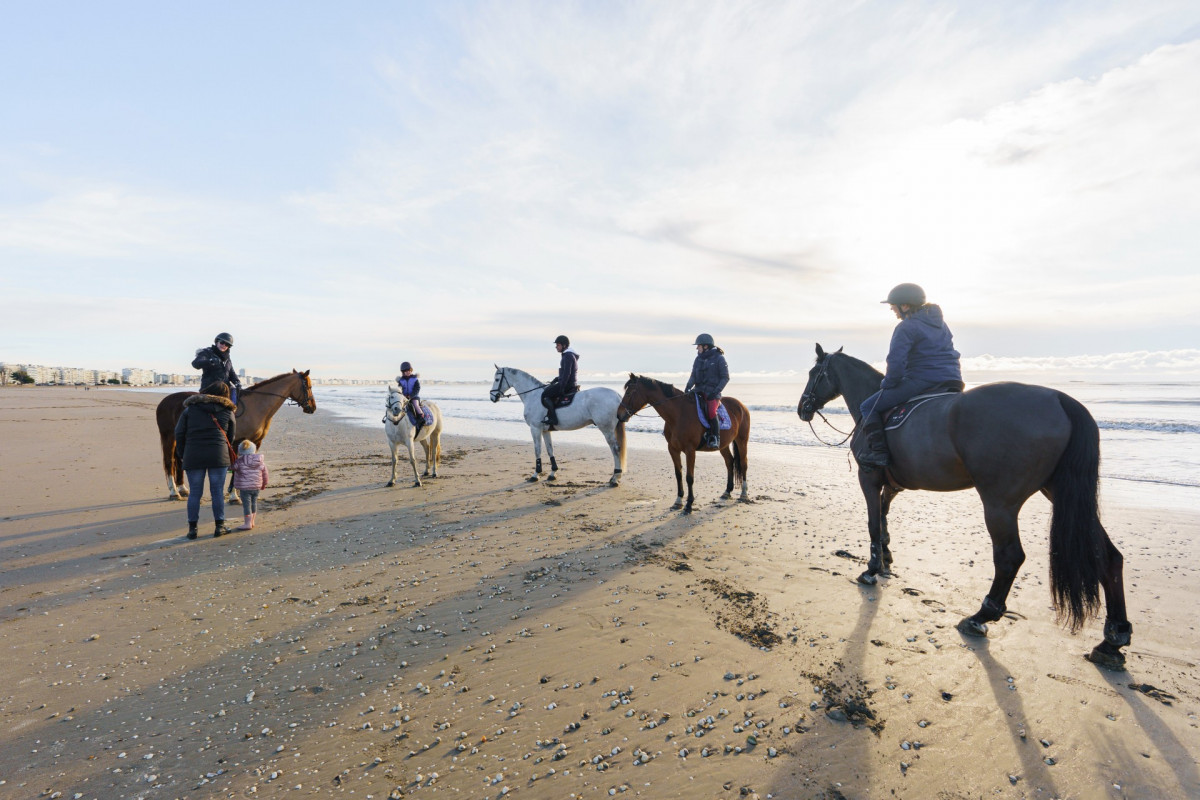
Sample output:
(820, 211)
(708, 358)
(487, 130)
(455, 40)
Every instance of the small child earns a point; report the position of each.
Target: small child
(250, 475)
(410, 386)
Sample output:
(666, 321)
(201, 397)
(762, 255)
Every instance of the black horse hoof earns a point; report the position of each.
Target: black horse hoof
(972, 627)
(532, 479)
(1106, 656)
(867, 579)
(686, 510)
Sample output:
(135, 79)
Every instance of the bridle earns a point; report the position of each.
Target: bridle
(504, 385)
(400, 404)
(808, 401)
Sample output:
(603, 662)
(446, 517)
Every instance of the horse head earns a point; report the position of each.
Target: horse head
(397, 405)
(303, 393)
(500, 384)
(634, 399)
(821, 386)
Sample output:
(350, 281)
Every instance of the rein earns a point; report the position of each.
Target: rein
(506, 384)
(817, 411)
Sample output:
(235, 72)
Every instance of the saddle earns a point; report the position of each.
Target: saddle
(565, 400)
(723, 421)
(895, 417)
(427, 416)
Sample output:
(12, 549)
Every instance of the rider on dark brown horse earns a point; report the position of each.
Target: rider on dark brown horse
(216, 366)
(921, 356)
(710, 374)
(565, 383)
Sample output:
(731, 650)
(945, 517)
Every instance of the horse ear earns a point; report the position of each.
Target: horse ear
(840, 349)
(820, 352)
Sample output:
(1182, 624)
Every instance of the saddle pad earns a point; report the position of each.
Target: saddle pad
(896, 417)
(723, 421)
(565, 400)
(412, 417)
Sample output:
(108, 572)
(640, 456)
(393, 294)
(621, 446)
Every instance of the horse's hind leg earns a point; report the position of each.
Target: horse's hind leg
(728, 456)
(885, 538)
(1007, 556)
(1118, 631)
(691, 471)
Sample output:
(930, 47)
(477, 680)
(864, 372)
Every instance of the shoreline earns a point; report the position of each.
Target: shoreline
(511, 622)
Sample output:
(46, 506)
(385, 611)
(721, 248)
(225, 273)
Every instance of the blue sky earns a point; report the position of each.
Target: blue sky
(345, 186)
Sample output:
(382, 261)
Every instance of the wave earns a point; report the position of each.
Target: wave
(1149, 426)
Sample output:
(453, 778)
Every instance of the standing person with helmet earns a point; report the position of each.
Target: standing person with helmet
(710, 374)
(566, 382)
(410, 387)
(216, 366)
(920, 357)
(204, 435)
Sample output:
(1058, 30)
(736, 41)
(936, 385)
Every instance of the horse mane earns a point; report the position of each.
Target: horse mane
(270, 380)
(653, 383)
(857, 364)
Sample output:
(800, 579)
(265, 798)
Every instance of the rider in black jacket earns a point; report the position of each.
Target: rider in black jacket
(565, 383)
(216, 366)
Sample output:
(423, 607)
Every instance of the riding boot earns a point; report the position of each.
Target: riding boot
(219, 529)
(192, 532)
(551, 417)
(871, 448)
(713, 436)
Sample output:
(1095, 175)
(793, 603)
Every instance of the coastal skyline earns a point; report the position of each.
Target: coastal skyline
(454, 184)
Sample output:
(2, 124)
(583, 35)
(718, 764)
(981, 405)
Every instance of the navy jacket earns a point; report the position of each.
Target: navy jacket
(922, 350)
(568, 370)
(216, 366)
(410, 386)
(710, 374)
(198, 437)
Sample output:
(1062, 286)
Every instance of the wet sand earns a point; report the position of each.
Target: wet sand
(484, 637)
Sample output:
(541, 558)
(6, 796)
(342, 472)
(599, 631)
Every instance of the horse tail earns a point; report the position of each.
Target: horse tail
(739, 466)
(620, 430)
(1077, 543)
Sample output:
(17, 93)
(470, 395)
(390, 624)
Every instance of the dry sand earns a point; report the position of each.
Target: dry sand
(482, 637)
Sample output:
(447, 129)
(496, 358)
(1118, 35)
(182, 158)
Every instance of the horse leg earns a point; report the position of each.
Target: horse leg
(1007, 556)
(537, 454)
(610, 436)
(885, 538)
(1118, 631)
(393, 444)
(728, 456)
(691, 469)
(871, 483)
(436, 439)
(426, 447)
(412, 459)
(550, 454)
(678, 477)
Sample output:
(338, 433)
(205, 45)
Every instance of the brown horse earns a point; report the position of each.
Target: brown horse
(683, 431)
(256, 405)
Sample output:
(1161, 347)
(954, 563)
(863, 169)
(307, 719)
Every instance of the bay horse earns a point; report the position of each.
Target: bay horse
(399, 430)
(596, 406)
(1008, 441)
(683, 431)
(256, 405)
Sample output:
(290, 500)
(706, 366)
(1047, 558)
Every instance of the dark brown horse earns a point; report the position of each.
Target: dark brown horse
(256, 405)
(1008, 441)
(683, 431)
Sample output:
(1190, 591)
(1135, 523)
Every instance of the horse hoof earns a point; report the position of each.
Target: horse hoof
(1106, 656)
(552, 477)
(391, 483)
(687, 510)
(532, 479)
(867, 579)
(416, 484)
(727, 496)
(970, 626)
(613, 482)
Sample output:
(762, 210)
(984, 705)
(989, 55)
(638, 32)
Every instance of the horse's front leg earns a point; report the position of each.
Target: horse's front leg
(1007, 557)
(412, 460)
(678, 477)
(691, 470)
(871, 483)
(885, 538)
(536, 430)
(550, 454)
(392, 444)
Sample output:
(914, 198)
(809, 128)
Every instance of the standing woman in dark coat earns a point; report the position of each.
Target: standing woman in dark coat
(216, 365)
(204, 434)
(710, 375)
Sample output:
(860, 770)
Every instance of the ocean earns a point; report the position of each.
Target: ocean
(1150, 431)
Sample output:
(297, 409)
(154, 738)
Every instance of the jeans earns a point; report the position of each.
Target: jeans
(873, 408)
(216, 484)
(249, 501)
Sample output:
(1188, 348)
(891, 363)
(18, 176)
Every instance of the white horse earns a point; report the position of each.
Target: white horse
(596, 406)
(400, 431)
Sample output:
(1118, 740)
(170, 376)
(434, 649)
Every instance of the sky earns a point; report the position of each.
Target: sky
(344, 186)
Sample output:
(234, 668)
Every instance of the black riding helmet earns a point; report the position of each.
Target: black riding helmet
(906, 294)
(224, 337)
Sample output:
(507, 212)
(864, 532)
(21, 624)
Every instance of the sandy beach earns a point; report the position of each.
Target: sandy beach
(484, 637)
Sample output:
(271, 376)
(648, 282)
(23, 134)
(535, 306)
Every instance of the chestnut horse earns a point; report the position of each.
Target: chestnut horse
(256, 405)
(683, 431)
(1008, 441)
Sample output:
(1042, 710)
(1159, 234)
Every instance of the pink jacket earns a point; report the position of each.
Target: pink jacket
(250, 471)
